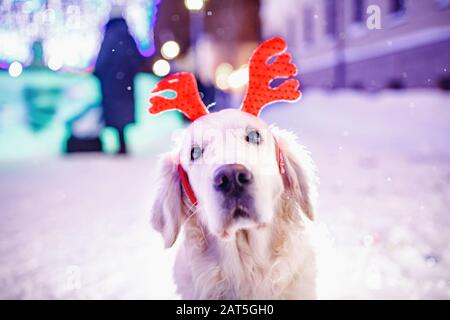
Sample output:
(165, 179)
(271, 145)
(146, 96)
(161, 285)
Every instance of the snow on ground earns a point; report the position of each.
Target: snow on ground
(77, 227)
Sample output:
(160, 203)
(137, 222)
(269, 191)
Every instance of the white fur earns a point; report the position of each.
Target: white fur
(271, 258)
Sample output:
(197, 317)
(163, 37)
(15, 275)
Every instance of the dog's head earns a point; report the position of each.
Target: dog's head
(230, 159)
(230, 168)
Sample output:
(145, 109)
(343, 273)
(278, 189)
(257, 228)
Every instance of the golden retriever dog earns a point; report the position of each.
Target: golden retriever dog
(243, 195)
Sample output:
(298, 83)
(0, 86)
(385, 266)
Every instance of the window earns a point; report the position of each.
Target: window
(358, 11)
(398, 6)
(308, 25)
(330, 16)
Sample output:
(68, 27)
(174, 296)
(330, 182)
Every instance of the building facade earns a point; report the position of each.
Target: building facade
(367, 44)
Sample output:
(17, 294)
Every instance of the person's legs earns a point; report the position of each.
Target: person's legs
(122, 144)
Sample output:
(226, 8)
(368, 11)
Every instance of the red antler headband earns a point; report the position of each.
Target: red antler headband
(259, 93)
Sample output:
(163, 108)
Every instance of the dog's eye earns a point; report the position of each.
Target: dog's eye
(253, 136)
(196, 152)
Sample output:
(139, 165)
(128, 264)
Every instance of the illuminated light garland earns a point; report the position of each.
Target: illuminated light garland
(71, 34)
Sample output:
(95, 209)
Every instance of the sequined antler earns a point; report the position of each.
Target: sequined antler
(259, 93)
(187, 98)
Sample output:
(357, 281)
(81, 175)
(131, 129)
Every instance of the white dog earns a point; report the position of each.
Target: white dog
(243, 193)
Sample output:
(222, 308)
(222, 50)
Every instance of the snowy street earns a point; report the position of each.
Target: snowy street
(78, 226)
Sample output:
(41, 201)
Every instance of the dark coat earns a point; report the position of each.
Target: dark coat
(117, 64)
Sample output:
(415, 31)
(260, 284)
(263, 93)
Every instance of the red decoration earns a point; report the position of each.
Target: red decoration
(186, 185)
(187, 98)
(259, 93)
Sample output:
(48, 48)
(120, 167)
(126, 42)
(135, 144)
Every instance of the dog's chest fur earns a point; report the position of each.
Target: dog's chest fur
(276, 262)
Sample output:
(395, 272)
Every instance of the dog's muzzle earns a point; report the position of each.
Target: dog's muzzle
(234, 177)
(233, 183)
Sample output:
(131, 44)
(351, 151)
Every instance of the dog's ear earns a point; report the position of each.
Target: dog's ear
(300, 174)
(167, 211)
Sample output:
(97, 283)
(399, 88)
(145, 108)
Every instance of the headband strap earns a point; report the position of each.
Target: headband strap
(186, 185)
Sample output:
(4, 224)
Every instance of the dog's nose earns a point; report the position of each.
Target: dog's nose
(232, 178)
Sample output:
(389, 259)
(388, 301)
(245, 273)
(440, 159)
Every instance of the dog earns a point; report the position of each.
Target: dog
(243, 194)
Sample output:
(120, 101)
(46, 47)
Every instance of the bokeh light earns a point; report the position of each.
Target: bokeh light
(15, 69)
(194, 4)
(170, 49)
(55, 63)
(222, 73)
(161, 68)
(238, 78)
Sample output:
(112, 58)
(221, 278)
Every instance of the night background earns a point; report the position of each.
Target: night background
(78, 147)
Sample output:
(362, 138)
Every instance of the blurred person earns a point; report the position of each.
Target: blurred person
(41, 100)
(118, 62)
(38, 55)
